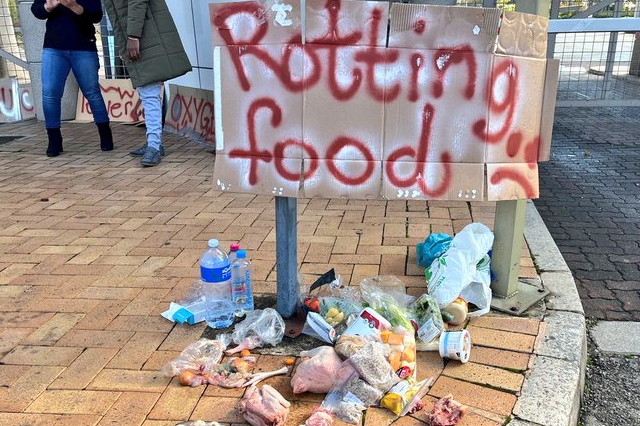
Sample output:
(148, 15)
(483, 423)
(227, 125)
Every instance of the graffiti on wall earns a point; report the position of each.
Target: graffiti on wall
(121, 99)
(190, 113)
(16, 102)
(355, 109)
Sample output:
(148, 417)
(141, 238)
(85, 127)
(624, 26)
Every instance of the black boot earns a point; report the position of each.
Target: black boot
(55, 142)
(106, 138)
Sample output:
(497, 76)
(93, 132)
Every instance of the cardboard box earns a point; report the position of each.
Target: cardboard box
(256, 23)
(343, 116)
(190, 114)
(121, 99)
(353, 23)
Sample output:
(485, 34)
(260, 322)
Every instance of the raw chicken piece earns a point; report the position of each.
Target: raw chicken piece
(320, 417)
(264, 407)
(446, 412)
(248, 343)
(321, 368)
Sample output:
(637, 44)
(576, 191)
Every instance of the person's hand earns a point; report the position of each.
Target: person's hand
(133, 48)
(49, 5)
(72, 5)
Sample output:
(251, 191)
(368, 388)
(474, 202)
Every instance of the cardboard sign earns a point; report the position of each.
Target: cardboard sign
(375, 101)
(190, 113)
(27, 107)
(9, 100)
(121, 99)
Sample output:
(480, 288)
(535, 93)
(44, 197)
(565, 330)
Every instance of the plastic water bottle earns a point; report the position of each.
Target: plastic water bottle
(233, 249)
(241, 288)
(215, 273)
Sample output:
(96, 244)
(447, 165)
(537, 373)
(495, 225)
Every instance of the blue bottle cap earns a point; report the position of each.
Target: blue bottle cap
(213, 243)
(241, 254)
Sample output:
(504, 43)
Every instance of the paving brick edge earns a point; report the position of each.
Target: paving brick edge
(552, 391)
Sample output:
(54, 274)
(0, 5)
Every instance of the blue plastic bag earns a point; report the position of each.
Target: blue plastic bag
(432, 248)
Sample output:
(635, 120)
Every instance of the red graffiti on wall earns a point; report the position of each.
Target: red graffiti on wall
(323, 66)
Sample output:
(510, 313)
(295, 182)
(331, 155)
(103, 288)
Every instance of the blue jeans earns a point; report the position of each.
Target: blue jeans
(152, 104)
(55, 69)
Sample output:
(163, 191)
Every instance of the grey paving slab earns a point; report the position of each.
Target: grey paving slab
(617, 337)
(550, 396)
(564, 337)
(564, 294)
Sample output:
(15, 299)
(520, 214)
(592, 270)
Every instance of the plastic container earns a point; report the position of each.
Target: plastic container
(455, 345)
(233, 250)
(241, 287)
(215, 273)
(458, 309)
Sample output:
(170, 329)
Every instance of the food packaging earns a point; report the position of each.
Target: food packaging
(406, 396)
(367, 323)
(458, 309)
(456, 345)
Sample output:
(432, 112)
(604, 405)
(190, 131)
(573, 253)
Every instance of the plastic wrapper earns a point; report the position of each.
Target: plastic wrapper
(432, 248)
(366, 394)
(372, 365)
(406, 397)
(347, 345)
(199, 357)
(401, 345)
(343, 405)
(428, 317)
(321, 368)
(260, 327)
(393, 305)
(318, 328)
(320, 417)
(336, 310)
(464, 270)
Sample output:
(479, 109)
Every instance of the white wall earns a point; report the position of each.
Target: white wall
(192, 19)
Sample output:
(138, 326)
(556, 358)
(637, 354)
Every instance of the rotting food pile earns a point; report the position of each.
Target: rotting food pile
(370, 334)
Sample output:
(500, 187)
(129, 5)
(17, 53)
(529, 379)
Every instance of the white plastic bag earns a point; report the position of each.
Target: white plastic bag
(457, 274)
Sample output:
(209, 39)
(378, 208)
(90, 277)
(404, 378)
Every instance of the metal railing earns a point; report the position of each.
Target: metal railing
(599, 61)
(12, 56)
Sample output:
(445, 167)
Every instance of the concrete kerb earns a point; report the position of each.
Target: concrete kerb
(552, 390)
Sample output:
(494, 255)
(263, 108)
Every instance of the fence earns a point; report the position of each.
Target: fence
(11, 43)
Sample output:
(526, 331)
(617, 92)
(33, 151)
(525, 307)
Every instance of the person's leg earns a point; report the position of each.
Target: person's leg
(55, 69)
(85, 65)
(152, 104)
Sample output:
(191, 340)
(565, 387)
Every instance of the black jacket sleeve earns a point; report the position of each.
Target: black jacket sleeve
(38, 10)
(92, 11)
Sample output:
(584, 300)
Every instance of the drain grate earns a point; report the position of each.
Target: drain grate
(5, 139)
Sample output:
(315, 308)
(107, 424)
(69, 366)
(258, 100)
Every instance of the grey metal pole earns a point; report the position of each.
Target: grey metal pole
(287, 255)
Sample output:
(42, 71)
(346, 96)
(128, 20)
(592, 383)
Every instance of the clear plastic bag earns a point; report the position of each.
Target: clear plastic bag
(428, 317)
(321, 368)
(260, 327)
(406, 397)
(372, 365)
(392, 304)
(347, 345)
(200, 357)
(343, 405)
(401, 344)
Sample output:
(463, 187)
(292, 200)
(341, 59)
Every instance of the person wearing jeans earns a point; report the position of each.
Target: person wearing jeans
(153, 53)
(70, 45)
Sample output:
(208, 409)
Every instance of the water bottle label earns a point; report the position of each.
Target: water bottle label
(215, 275)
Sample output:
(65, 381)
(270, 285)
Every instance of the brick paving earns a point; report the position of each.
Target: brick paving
(590, 202)
(93, 247)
